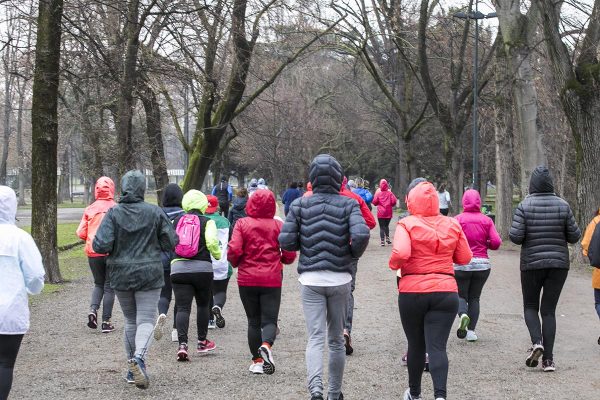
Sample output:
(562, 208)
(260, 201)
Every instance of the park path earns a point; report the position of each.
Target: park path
(64, 215)
(62, 359)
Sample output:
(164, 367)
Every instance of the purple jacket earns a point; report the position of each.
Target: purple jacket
(479, 229)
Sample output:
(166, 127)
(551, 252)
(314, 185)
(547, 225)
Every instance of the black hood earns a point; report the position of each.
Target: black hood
(133, 187)
(326, 174)
(172, 196)
(541, 181)
(239, 203)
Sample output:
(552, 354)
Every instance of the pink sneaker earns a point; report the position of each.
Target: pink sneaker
(182, 352)
(204, 346)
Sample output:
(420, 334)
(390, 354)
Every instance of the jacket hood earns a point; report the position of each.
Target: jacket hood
(213, 204)
(352, 184)
(239, 203)
(172, 196)
(344, 184)
(423, 200)
(194, 200)
(8, 205)
(261, 181)
(133, 187)
(384, 185)
(261, 204)
(326, 174)
(471, 201)
(253, 182)
(105, 189)
(309, 187)
(541, 181)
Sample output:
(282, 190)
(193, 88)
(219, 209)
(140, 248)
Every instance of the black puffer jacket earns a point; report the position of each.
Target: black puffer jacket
(543, 223)
(327, 228)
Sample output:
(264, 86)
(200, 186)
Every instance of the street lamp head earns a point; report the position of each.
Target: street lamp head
(491, 15)
(461, 15)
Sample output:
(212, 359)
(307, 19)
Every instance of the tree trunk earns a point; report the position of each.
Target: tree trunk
(403, 170)
(44, 130)
(64, 187)
(20, 151)
(7, 112)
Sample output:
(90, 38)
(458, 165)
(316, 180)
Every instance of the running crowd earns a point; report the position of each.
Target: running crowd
(142, 254)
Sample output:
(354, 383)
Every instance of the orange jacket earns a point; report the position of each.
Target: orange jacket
(427, 244)
(585, 243)
(94, 213)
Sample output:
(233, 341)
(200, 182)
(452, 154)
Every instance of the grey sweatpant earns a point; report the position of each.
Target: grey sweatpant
(350, 313)
(325, 308)
(140, 312)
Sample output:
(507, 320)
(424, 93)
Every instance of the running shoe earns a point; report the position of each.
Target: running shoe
(129, 377)
(408, 396)
(219, 320)
(348, 344)
(174, 336)
(388, 241)
(211, 324)
(548, 366)
(107, 327)
(257, 366)
(267, 356)
(534, 355)
(382, 243)
(462, 328)
(159, 327)
(137, 367)
(471, 336)
(182, 352)
(93, 319)
(204, 346)
(317, 396)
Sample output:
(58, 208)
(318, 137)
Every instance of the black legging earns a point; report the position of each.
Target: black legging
(384, 228)
(470, 285)
(9, 349)
(262, 309)
(219, 293)
(166, 294)
(187, 286)
(427, 319)
(224, 209)
(532, 283)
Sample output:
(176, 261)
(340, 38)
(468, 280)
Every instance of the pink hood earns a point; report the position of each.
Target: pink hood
(384, 185)
(479, 229)
(471, 201)
(384, 200)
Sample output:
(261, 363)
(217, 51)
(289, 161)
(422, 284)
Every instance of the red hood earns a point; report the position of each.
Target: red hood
(261, 204)
(423, 200)
(471, 201)
(384, 185)
(105, 188)
(309, 187)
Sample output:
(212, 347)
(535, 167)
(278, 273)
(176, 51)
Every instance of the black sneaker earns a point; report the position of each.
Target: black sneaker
(107, 327)
(382, 243)
(548, 366)
(388, 241)
(93, 319)
(219, 320)
(534, 355)
(348, 344)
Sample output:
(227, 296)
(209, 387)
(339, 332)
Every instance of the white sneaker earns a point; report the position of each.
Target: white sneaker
(534, 355)
(158, 328)
(211, 324)
(174, 336)
(462, 328)
(256, 368)
(471, 336)
(407, 396)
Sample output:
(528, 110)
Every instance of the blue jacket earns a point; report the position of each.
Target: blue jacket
(364, 193)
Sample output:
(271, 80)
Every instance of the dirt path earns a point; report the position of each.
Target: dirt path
(62, 359)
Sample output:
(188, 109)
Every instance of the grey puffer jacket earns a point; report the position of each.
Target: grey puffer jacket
(326, 227)
(543, 224)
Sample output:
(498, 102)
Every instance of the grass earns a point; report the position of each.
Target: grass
(73, 266)
(66, 233)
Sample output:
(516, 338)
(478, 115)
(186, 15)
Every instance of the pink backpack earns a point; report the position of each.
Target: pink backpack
(188, 230)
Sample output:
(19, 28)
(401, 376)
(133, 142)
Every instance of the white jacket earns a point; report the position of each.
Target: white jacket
(21, 269)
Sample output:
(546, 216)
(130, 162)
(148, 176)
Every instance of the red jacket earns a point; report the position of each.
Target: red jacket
(364, 208)
(94, 213)
(385, 200)
(426, 245)
(254, 247)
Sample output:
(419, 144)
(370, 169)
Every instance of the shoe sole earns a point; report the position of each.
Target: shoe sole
(140, 380)
(268, 365)
(349, 348)
(158, 328)
(462, 329)
(92, 321)
(108, 330)
(550, 369)
(205, 351)
(219, 320)
(181, 356)
(532, 360)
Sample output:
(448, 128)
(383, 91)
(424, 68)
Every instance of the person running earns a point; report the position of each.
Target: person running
(363, 192)
(192, 274)
(385, 201)
(291, 194)
(330, 233)
(22, 273)
(224, 193)
(92, 217)
(262, 184)
(444, 198)
(425, 246)
(543, 224)
(252, 187)
(309, 191)
(222, 270)
(482, 235)
(238, 210)
(133, 233)
(254, 250)
(171, 205)
(590, 231)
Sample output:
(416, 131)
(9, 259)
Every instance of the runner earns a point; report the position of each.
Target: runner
(543, 224)
(224, 194)
(254, 250)
(252, 187)
(192, 272)
(261, 184)
(330, 233)
(291, 194)
(239, 208)
(444, 198)
(385, 201)
(22, 273)
(585, 246)
(92, 217)
(133, 233)
(482, 235)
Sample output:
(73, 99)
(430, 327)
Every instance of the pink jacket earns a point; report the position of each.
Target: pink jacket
(479, 229)
(385, 200)
(94, 213)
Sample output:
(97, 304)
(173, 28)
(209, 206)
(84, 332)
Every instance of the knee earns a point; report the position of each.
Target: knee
(254, 323)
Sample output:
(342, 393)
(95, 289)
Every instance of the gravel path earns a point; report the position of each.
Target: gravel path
(62, 359)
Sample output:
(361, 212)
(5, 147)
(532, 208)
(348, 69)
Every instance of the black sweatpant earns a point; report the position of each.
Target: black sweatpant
(224, 209)
(384, 228)
(9, 349)
(548, 282)
(187, 286)
(427, 319)
(166, 295)
(470, 285)
(262, 309)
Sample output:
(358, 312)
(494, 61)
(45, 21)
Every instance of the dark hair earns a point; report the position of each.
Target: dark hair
(223, 179)
(241, 192)
(442, 187)
(172, 196)
(294, 185)
(300, 184)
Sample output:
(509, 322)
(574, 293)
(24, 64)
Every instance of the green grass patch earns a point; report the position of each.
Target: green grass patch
(73, 266)
(66, 233)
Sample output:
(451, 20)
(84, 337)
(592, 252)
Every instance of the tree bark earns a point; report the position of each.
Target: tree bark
(44, 127)
(64, 187)
(7, 113)
(20, 151)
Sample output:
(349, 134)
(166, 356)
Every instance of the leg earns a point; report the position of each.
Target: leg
(98, 268)
(337, 307)
(386, 227)
(553, 285)
(478, 280)
(220, 292)
(184, 294)
(438, 323)
(251, 302)
(166, 294)
(597, 301)
(147, 305)
(108, 302)
(350, 311)
(381, 229)
(314, 304)
(531, 285)
(463, 280)
(270, 300)
(412, 315)
(9, 349)
(202, 286)
(128, 306)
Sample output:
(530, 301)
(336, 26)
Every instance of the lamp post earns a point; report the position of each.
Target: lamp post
(475, 15)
